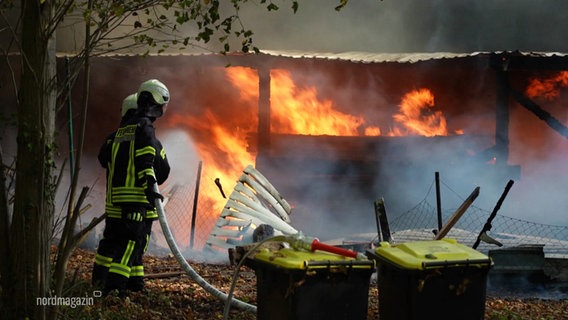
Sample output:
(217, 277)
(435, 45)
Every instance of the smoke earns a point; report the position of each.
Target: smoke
(181, 152)
(404, 169)
(464, 95)
(413, 26)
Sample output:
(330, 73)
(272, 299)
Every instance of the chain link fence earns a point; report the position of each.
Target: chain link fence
(419, 223)
(191, 211)
(191, 225)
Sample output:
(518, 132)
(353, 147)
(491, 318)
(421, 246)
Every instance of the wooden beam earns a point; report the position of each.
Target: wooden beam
(540, 113)
(502, 110)
(457, 215)
(263, 110)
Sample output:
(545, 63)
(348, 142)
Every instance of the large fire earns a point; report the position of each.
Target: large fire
(297, 110)
(548, 88)
(294, 110)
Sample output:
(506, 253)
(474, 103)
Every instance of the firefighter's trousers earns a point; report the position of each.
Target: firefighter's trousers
(118, 263)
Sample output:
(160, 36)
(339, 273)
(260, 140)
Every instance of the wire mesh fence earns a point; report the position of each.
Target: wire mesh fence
(191, 211)
(192, 220)
(420, 223)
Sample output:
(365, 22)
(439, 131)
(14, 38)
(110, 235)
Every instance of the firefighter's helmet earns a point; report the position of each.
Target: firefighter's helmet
(129, 103)
(153, 97)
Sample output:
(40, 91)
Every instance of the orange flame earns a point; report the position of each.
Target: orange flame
(222, 141)
(224, 155)
(298, 110)
(416, 115)
(548, 88)
(295, 110)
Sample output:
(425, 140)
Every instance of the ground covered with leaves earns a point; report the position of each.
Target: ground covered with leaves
(171, 294)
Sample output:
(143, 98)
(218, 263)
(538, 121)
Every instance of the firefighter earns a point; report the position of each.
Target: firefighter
(135, 160)
(105, 250)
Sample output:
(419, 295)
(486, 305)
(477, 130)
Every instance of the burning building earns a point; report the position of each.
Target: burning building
(333, 132)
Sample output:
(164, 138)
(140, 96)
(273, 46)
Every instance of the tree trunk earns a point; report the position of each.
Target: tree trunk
(30, 231)
(4, 234)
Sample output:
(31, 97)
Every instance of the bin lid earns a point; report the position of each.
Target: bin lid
(302, 260)
(420, 255)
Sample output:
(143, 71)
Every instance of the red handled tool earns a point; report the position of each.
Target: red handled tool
(299, 241)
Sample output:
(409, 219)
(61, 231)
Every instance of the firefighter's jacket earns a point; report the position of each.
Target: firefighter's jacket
(130, 155)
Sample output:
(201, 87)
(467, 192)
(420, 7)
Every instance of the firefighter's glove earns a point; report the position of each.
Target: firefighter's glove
(152, 195)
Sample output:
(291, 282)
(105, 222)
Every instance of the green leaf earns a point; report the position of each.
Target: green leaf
(272, 7)
(295, 6)
(342, 3)
(118, 11)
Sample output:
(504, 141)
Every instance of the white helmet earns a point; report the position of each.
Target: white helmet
(129, 103)
(158, 90)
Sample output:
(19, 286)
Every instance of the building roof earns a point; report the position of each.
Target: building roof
(370, 57)
(360, 56)
(500, 59)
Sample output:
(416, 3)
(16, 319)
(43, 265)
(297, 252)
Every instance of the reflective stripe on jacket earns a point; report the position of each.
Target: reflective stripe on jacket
(130, 155)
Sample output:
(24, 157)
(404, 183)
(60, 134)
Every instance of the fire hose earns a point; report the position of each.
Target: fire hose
(185, 265)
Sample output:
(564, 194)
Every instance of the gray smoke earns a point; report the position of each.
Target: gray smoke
(414, 26)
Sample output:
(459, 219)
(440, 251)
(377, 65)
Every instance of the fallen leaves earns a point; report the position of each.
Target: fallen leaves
(180, 297)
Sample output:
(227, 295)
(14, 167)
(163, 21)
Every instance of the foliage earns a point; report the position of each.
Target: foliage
(156, 25)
